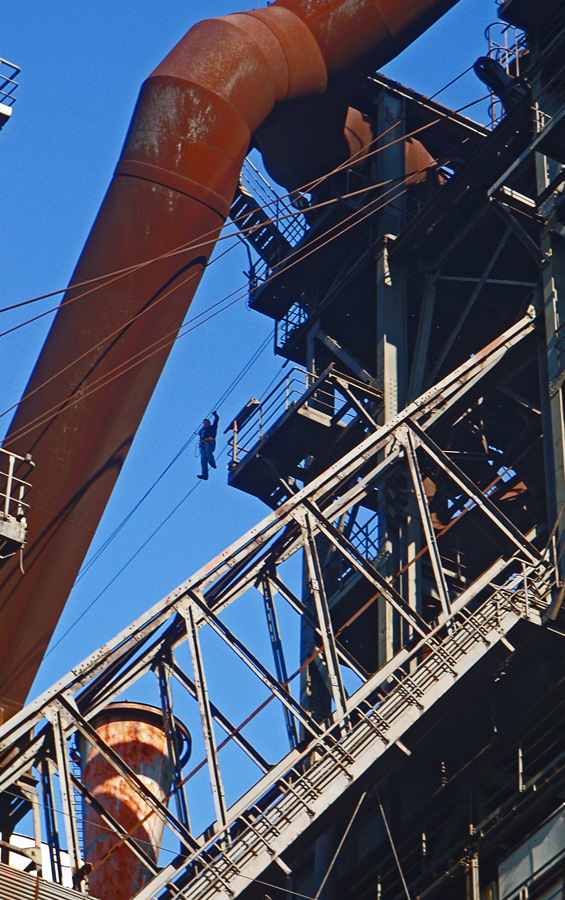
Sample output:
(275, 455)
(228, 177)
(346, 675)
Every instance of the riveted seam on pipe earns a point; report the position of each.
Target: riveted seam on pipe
(175, 182)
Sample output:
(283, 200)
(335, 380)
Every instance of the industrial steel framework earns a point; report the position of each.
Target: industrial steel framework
(420, 474)
(334, 755)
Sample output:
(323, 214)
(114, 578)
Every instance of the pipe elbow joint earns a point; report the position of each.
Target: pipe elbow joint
(197, 111)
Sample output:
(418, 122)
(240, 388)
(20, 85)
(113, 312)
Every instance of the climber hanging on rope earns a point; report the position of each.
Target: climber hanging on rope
(207, 445)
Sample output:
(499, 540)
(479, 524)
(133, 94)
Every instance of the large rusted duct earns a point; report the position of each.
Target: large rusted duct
(137, 734)
(173, 185)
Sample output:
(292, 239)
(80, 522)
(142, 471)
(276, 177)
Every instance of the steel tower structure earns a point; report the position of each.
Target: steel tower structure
(413, 462)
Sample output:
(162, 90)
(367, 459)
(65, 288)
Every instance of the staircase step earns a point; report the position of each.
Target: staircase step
(258, 229)
(334, 765)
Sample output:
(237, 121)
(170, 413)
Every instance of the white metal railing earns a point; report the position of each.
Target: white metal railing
(293, 391)
(505, 45)
(288, 218)
(8, 84)
(12, 488)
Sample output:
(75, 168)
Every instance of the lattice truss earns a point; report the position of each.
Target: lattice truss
(274, 800)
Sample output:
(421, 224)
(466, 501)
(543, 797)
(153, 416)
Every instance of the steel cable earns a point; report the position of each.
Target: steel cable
(186, 249)
(164, 341)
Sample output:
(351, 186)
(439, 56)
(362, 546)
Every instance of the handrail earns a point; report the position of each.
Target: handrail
(6, 92)
(12, 504)
(298, 388)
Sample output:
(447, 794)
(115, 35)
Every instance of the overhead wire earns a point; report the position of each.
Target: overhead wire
(218, 405)
(358, 156)
(449, 83)
(251, 228)
(392, 844)
(170, 514)
(112, 334)
(174, 335)
(192, 275)
(167, 518)
(182, 248)
(187, 495)
(340, 845)
(188, 442)
(306, 188)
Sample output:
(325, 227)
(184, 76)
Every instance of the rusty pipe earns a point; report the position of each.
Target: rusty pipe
(135, 732)
(174, 183)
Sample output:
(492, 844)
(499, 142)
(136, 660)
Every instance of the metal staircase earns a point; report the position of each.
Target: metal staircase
(298, 793)
(285, 797)
(258, 228)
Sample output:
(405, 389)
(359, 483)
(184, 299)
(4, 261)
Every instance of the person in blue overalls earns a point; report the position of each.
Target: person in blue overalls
(207, 435)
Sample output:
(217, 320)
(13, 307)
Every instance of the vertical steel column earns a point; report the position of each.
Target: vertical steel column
(324, 618)
(417, 374)
(390, 160)
(206, 716)
(411, 585)
(30, 793)
(473, 891)
(391, 342)
(53, 843)
(278, 655)
(391, 287)
(163, 670)
(553, 305)
(429, 532)
(66, 789)
(391, 371)
(391, 331)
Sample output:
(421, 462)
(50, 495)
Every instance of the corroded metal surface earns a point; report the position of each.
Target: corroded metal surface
(137, 735)
(172, 189)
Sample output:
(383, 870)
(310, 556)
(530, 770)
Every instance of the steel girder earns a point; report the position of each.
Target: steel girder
(253, 831)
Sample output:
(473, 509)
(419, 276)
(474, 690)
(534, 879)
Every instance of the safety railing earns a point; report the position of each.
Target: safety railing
(12, 488)
(284, 213)
(505, 46)
(287, 217)
(290, 213)
(8, 83)
(377, 716)
(286, 328)
(299, 388)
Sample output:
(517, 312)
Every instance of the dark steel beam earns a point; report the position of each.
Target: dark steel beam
(206, 717)
(426, 518)
(316, 584)
(482, 500)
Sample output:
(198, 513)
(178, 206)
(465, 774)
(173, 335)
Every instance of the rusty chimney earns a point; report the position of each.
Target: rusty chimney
(135, 732)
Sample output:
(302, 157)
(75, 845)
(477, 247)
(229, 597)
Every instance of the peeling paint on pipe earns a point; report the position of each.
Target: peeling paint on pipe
(136, 733)
(173, 185)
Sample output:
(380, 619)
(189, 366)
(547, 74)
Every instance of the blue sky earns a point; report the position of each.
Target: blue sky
(82, 66)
